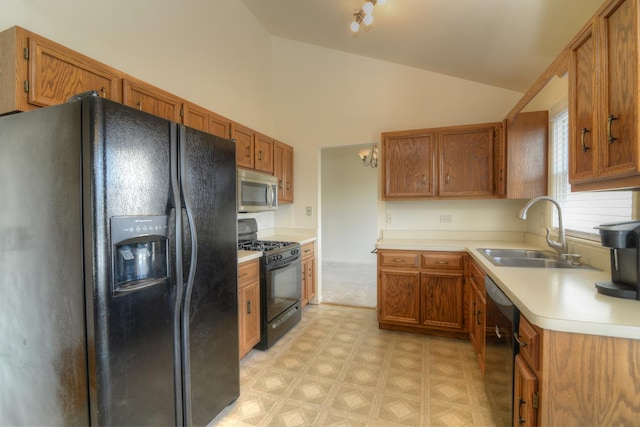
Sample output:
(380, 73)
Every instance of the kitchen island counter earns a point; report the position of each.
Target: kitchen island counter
(556, 299)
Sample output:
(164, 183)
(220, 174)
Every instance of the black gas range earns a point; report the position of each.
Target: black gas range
(280, 282)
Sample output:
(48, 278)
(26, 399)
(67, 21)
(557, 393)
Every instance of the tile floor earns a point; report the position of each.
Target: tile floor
(336, 368)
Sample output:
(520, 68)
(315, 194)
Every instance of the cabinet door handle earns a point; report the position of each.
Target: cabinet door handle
(521, 401)
(424, 179)
(610, 120)
(249, 307)
(447, 178)
(398, 260)
(478, 316)
(104, 91)
(244, 274)
(442, 262)
(140, 105)
(248, 151)
(518, 339)
(280, 184)
(584, 146)
(260, 155)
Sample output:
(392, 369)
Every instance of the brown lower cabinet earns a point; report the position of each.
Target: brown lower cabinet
(422, 292)
(308, 273)
(248, 305)
(477, 311)
(560, 378)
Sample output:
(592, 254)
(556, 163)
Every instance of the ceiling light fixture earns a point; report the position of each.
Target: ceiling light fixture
(365, 14)
(369, 156)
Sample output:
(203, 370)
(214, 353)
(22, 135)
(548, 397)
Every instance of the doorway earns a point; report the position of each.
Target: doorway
(349, 227)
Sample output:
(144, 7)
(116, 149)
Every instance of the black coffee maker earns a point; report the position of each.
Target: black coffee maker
(623, 238)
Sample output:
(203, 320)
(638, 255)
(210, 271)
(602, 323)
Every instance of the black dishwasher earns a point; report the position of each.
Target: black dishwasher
(502, 323)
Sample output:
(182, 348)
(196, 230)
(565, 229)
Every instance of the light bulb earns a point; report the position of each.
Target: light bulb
(355, 26)
(367, 8)
(368, 19)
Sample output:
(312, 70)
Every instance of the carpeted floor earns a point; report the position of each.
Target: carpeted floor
(336, 368)
(350, 284)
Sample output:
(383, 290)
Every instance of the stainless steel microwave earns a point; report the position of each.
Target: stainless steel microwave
(257, 192)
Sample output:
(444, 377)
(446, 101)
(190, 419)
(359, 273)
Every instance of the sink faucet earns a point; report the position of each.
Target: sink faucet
(561, 245)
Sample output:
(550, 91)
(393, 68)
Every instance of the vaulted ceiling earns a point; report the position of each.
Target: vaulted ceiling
(503, 43)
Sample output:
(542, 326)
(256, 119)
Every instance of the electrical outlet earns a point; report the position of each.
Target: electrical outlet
(309, 211)
(445, 219)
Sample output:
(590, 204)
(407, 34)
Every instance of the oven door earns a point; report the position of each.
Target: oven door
(282, 288)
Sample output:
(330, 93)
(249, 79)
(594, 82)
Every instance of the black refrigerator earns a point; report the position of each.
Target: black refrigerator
(118, 269)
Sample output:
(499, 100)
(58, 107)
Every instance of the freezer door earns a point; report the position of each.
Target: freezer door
(43, 375)
(127, 163)
(210, 312)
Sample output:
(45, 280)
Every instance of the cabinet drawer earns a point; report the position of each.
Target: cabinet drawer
(248, 272)
(307, 250)
(404, 259)
(529, 340)
(477, 276)
(452, 261)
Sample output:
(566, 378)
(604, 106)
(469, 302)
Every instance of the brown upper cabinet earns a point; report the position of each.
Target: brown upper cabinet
(199, 118)
(603, 100)
(253, 149)
(283, 169)
(46, 73)
(408, 164)
(523, 156)
(466, 161)
(195, 117)
(263, 153)
(219, 125)
(244, 138)
(150, 99)
(440, 162)
(37, 72)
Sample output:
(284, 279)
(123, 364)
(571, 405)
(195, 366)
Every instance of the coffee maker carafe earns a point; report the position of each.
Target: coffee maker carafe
(622, 238)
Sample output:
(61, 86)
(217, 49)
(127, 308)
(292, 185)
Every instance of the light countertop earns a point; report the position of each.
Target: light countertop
(555, 299)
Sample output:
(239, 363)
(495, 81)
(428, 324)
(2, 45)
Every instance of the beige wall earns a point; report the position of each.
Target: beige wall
(216, 54)
(213, 53)
(326, 98)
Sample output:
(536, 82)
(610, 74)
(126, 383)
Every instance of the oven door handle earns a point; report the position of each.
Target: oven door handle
(280, 267)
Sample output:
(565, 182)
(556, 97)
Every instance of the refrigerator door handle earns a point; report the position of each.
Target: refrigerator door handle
(186, 300)
(178, 277)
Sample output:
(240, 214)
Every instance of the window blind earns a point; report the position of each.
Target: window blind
(582, 211)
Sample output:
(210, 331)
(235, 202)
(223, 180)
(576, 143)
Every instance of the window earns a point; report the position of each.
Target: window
(581, 210)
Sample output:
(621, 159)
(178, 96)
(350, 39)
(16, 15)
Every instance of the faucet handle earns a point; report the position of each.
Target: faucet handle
(572, 258)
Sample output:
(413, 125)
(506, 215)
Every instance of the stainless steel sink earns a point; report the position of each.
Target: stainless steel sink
(516, 253)
(533, 262)
(528, 258)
